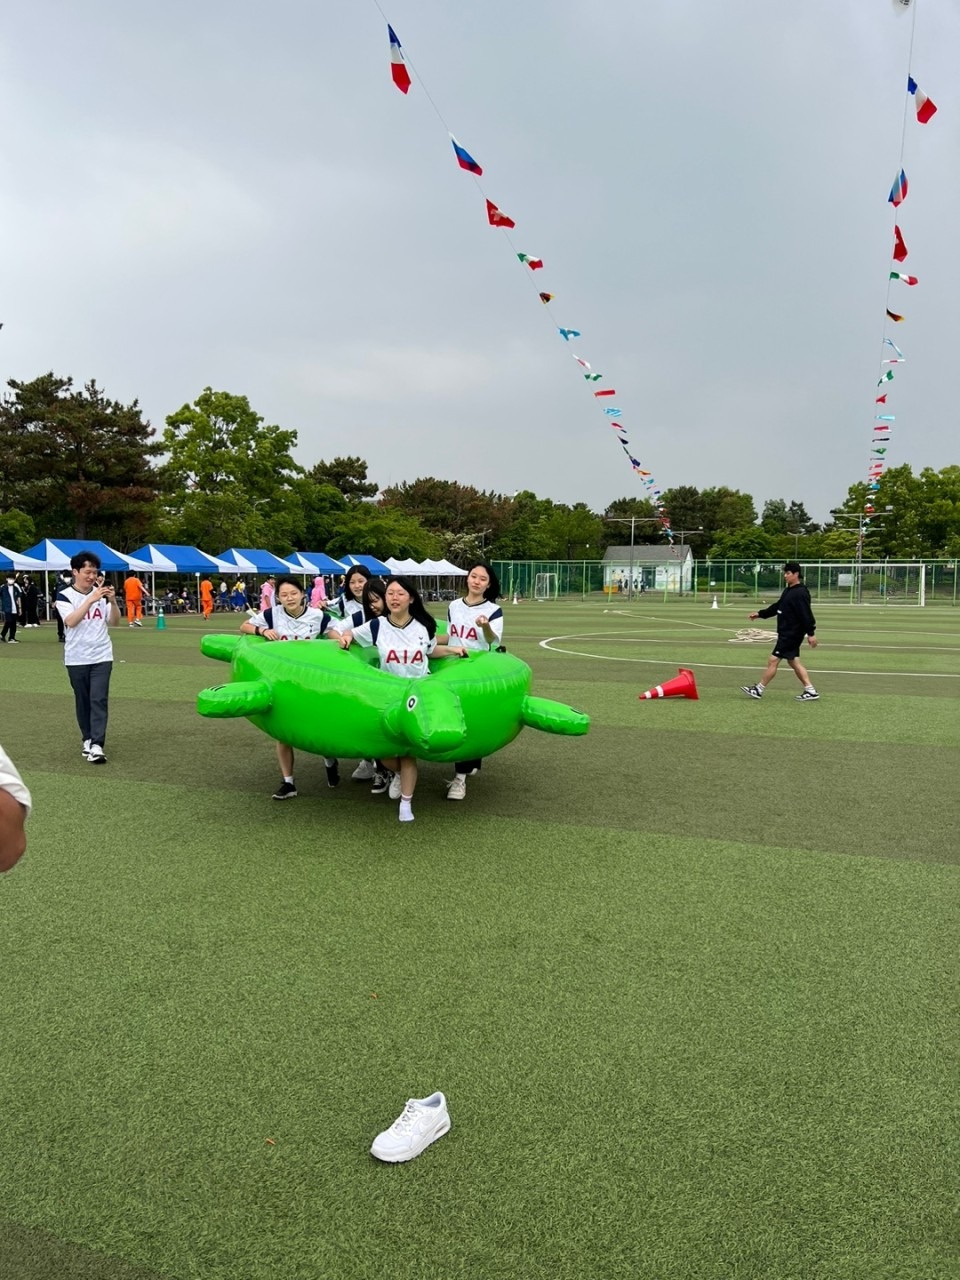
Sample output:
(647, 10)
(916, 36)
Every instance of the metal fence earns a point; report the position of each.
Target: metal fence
(904, 582)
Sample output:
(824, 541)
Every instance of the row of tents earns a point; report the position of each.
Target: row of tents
(55, 553)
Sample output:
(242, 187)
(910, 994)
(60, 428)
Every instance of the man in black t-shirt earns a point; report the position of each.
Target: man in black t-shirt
(794, 621)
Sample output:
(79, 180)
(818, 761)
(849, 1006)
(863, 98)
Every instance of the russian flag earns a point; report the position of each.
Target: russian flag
(898, 192)
(925, 107)
(398, 68)
(464, 159)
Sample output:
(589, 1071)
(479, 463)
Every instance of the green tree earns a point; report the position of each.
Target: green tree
(230, 479)
(445, 505)
(372, 530)
(568, 532)
(348, 475)
(17, 529)
(647, 528)
(775, 517)
(522, 536)
(77, 463)
(744, 544)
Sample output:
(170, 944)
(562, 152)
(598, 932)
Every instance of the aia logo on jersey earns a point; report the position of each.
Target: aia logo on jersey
(94, 613)
(465, 633)
(407, 659)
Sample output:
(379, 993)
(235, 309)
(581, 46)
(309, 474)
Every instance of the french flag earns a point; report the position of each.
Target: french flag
(898, 192)
(464, 159)
(398, 68)
(926, 109)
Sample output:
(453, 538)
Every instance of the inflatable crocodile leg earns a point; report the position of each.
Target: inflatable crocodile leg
(242, 698)
(553, 717)
(220, 647)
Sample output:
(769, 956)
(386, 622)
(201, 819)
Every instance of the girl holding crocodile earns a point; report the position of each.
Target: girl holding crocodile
(476, 621)
(405, 638)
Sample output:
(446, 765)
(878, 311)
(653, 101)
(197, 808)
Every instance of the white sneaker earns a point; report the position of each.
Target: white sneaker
(95, 754)
(422, 1121)
(364, 771)
(87, 744)
(406, 811)
(396, 787)
(457, 789)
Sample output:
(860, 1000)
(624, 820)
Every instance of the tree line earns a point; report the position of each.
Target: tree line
(74, 463)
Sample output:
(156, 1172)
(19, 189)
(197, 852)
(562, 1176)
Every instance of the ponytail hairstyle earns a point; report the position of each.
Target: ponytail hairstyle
(493, 592)
(418, 609)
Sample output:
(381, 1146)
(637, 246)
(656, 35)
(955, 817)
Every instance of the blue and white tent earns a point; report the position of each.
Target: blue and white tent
(316, 562)
(171, 558)
(368, 562)
(57, 552)
(242, 559)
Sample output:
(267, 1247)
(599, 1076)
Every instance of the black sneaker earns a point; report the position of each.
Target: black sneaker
(285, 791)
(808, 695)
(381, 783)
(333, 774)
(751, 691)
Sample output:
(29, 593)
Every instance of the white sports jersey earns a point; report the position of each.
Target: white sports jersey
(89, 641)
(11, 782)
(463, 628)
(311, 624)
(349, 609)
(403, 650)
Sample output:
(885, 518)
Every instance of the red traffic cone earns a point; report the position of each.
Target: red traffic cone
(683, 685)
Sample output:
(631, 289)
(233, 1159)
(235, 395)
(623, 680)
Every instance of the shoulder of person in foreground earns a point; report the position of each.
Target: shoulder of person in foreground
(15, 804)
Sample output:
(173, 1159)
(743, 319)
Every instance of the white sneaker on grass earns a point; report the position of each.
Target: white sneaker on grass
(422, 1121)
(808, 695)
(396, 787)
(87, 744)
(457, 788)
(364, 771)
(95, 754)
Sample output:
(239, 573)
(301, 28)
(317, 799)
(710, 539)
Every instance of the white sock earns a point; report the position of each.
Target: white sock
(290, 779)
(761, 686)
(809, 688)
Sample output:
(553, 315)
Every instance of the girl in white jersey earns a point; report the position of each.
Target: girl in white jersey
(476, 622)
(349, 608)
(290, 618)
(405, 639)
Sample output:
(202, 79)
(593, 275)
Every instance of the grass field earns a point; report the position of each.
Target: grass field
(689, 983)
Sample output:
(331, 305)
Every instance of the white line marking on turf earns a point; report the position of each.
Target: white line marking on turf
(723, 666)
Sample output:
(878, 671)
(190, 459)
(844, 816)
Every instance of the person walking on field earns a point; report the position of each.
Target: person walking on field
(133, 596)
(88, 612)
(206, 597)
(794, 621)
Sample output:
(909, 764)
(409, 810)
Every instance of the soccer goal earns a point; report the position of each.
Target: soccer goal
(546, 586)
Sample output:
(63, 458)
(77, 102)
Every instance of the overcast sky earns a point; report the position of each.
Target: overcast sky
(234, 194)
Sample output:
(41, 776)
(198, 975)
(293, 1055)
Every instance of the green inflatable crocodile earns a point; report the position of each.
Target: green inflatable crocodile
(316, 697)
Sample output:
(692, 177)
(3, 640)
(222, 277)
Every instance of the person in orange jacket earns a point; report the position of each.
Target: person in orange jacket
(206, 597)
(133, 595)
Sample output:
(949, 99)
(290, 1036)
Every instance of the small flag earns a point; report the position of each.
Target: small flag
(900, 361)
(593, 377)
(585, 363)
(398, 68)
(884, 417)
(892, 315)
(464, 159)
(925, 107)
(613, 413)
(899, 245)
(567, 334)
(496, 218)
(604, 393)
(890, 343)
(546, 297)
(881, 399)
(880, 451)
(533, 263)
(898, 192)
(896, 275)
(885, 377)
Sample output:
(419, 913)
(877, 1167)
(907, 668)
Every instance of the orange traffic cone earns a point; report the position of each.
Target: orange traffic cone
(683, 685)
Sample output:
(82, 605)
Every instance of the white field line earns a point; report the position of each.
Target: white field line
(550, 644)
(873, 648)
(846, 631)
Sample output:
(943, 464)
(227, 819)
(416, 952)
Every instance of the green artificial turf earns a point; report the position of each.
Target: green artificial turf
(688, 983)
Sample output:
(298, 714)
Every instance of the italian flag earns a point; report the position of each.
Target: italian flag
(533, 263)
(897, 275)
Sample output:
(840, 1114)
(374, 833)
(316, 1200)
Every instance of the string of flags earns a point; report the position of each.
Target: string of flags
(496, 217)
(883, 422)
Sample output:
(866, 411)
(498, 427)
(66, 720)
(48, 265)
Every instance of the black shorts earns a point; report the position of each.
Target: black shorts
(788, 647)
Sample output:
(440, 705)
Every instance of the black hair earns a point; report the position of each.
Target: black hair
(289, 578)
(374, 587)
(355, 568)
(793, 566)
(493, 591)
(85, 557)
(418, 609)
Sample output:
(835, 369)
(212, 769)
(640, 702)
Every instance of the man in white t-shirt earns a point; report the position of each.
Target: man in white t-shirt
(88, 612)
(14, 807)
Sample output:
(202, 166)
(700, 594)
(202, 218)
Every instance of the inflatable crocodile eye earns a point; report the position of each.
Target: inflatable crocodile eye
(411, 702)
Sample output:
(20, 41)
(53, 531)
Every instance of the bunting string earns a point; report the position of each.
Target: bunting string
(401, 68)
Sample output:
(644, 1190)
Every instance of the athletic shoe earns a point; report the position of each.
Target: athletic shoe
(138, 624)
(130, 624)
(13, 642)
(95, 754)
(285, 791)
(87, 744)
(333, 774)
(395, 789)
(422, 1121)
(381, 782)
(457, 788)
(751, 690)
(808, 695)
(364, 771)
(406, 810)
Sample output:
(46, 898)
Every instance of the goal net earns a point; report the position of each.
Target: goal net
(546, 587)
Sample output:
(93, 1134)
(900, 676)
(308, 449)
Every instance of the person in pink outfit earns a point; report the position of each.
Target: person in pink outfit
(318, 596)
